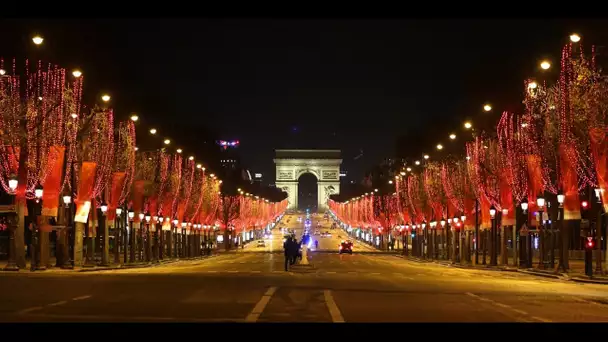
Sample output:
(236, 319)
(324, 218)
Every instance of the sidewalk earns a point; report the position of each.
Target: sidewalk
(576, 272)
(97, 267)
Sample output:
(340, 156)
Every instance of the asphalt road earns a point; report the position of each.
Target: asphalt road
(251, 286)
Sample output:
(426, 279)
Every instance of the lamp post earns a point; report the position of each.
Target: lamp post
(563, 249)
(161, 236)
(493, 254)
(448, 240)
(598, 231)
(140, 244)
(117, 241)
(12, 224)
(423, 240)
(457, 239)
(442, 224)
(37, 261)
(527, 242)
(66, 262)
(183, 240)
(131, 235)
(105, 252)
(175, 239)
(148, 243)
(540, 202)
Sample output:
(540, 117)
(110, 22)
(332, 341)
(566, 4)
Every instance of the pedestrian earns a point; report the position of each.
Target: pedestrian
(295, 250)
(287, 247)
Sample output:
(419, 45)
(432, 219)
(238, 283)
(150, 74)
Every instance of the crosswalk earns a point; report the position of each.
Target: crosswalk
(280, 261)
(316, 273)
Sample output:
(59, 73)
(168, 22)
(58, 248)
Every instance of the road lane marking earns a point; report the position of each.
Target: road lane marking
(81, 297)
(334, 311)
(24, 311)
(352, 272)
(255, 271)
(211, 271)
(261, 305)
(330, 272)
(232, 271)
(131, 318)
(58, 303)
(508, 307)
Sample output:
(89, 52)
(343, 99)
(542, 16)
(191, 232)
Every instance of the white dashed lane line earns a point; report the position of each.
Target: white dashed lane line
(508, 307)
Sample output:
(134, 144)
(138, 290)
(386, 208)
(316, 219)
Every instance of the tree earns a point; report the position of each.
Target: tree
(229, 211)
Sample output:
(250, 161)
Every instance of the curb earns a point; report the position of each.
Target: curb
(114, 268)
(589, 280)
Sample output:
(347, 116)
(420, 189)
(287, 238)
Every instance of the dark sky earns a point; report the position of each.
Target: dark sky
(348, 84)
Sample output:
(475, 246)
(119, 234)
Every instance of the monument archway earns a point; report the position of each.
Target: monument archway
(323, 164)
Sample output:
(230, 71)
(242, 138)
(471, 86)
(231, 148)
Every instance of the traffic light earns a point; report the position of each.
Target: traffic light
(590, 243)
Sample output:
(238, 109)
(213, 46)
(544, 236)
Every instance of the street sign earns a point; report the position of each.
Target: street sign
(524, 231)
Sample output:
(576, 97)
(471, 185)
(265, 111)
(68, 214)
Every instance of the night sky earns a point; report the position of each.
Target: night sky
(356, 85)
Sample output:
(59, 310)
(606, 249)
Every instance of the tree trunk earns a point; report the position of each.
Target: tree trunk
(78, 244)
(503, 247)
(105, 253)
(169, 242)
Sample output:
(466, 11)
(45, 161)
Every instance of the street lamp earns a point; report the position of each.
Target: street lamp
(38, 39)
(77, 73)
(463, 217)
(417, 162)
(487, 107)
(141, 217)
(104, 207)
(179, 150)
(2, 72)
(524, 205)
(167, 141)
(545, 65)
(560, 199)
(540, 202)
(118, 211)
(598, 194)
(67, 199)
(439, 147)
(468, 125)
(105, 98)
(452, 136)
(390, 181)
(147, 217)
(152, 131)
(409, 169)
(131, 215)
(426, 156)
(575, 38)
(134, 117)
(38, 191)
(493, 254)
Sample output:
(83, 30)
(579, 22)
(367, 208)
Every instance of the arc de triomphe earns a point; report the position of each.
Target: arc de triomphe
(323, 164)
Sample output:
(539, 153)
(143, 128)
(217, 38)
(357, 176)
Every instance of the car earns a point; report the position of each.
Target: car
(346, 247)
(317, 232)
(261, 243)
